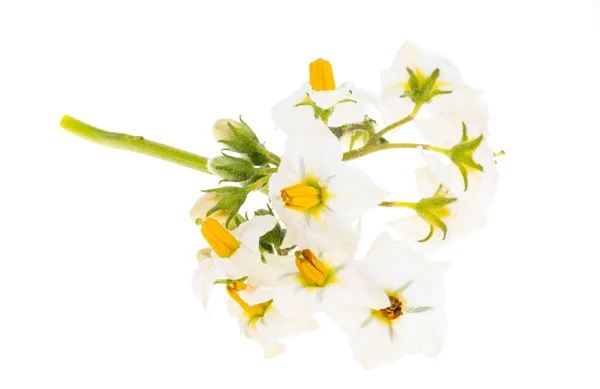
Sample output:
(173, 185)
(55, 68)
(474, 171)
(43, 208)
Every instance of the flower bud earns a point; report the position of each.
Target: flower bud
(223, 131)
(204, 204)
(232, 130)
(232, 169)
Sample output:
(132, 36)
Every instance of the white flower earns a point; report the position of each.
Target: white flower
(317, 195)
(475, 186)
(412, 322)
(321, 99)
(315, 281)
(260, 320)
(400, 93)
(443, 127)
(235, 255)
(441, 215)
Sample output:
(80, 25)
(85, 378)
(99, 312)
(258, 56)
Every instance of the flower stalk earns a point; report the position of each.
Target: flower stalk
(136, 144)
(371, 148)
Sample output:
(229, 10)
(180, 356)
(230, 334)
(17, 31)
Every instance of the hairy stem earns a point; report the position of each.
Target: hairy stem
(407, 119)
(136, 144)
(272, 156)
(371, 148)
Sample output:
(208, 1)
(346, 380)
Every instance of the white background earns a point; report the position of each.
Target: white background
(97, 249)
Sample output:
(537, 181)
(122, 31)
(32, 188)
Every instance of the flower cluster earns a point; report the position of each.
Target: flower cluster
(283, 264)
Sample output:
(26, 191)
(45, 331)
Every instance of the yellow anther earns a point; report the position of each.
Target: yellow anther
(312, 269)
(321, 75)
(256, 310)
(301, 197)
(219, 238)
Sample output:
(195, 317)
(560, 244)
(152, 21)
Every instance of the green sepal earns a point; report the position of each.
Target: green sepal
(431, 210)
(245, 142)
(422, 89)
(322, 113)
(232, 199)
(232, 169)
(271, 242)
(462, 155)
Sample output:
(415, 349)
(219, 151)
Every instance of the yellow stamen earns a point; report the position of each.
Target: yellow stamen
(321, 75)
(312, 269)
(256, 310)
(219, 238)
(301, 197)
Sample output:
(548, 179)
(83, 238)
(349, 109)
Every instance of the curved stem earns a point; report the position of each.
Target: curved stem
(136, 144)
(371, 148)
(407, 119)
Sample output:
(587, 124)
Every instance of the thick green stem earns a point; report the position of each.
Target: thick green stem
(134, 143)
(371, 148)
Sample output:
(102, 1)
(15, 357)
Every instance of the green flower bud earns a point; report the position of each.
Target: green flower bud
(223, 131)
(232, 169)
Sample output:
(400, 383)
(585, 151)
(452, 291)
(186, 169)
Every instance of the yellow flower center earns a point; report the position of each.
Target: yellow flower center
(301, 197)
(219, 238)
(321, 76)
(254, 311)
(392, 312)
(312, 269)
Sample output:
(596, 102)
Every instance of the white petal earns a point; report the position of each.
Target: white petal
(203, 279)
(251, 231)
(353, 193)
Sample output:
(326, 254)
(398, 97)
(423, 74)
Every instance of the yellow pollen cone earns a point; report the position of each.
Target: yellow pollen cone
(312, 269)
(253, 310)
(321, 75)
(300, 197)
(222, 242)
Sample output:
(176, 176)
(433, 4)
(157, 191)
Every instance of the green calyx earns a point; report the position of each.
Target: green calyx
(420, 88)
(232, 169)
(233, 197)
(238, 137)
(462, 155)
(272, 241)
(434, 210)
(322, 113)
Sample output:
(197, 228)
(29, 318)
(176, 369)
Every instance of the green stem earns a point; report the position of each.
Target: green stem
(371, 148)
(270, 170)
(134, 143)
(258, 184)
(272, 156)
(398, 204)
(400, 122)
